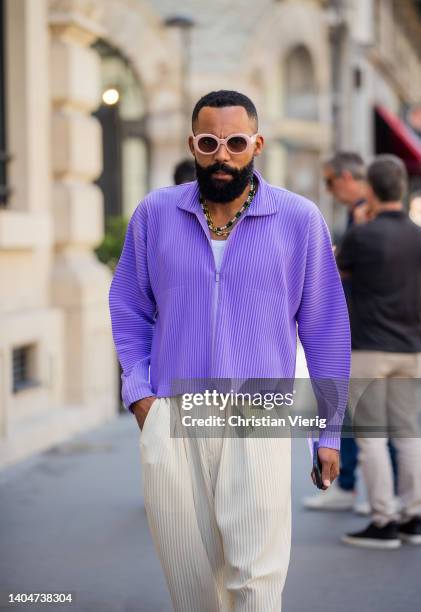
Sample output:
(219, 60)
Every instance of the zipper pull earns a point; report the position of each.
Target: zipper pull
(217, 277)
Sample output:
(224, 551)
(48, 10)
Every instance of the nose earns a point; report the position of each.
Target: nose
(222, 154)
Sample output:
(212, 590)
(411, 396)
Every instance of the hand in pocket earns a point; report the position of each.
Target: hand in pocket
(141, 409)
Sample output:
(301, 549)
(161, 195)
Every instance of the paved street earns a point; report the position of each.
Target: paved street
(72, 520)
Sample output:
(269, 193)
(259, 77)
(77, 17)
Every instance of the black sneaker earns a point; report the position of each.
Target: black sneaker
(386, 537)
(411, 530)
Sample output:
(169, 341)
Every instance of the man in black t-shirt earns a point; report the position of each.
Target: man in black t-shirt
(383, 260)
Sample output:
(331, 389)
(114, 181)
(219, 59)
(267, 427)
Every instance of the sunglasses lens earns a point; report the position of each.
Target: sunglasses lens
(237, 144)
(207, 144)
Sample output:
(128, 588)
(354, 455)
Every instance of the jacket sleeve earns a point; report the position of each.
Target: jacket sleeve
(132, 309)
(323, 328)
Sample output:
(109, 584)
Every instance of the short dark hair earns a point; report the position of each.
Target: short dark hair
(224, 97)
(184, 172)
(388, 178)
(349, 161)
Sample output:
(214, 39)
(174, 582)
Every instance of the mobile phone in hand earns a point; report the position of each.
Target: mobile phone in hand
(317, 466)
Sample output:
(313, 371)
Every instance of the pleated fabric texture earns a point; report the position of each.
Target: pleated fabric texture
(219, 511)
(278, 275)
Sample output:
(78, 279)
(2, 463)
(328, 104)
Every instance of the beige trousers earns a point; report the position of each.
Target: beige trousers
(383, 404)
(219, 511)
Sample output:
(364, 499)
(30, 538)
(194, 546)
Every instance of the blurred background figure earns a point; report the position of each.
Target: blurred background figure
(415, 207)
(383, 260)
(184, 172)
(344, 179)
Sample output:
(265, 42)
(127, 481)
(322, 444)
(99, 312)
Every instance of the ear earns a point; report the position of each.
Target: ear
(191, 147)
(258, 145)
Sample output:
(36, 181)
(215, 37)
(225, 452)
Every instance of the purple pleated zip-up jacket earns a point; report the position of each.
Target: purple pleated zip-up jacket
(278, 274)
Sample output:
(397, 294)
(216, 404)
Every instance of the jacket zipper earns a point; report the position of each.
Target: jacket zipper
(216, 289)
(214, 314)
(217, 292)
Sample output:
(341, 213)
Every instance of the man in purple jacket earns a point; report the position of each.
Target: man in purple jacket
(215, 278)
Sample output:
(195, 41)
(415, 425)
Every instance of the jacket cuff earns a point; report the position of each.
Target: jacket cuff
(135, 386)
(330, 439)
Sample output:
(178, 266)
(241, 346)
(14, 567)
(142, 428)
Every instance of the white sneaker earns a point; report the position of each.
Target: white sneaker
(334, 498)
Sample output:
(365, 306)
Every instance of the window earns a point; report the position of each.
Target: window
(301, 100)
(23, 360)
(122, 114)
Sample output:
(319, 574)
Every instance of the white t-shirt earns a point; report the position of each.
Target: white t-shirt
(218, 248)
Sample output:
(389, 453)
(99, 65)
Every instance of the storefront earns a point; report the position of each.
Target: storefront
(393, 136)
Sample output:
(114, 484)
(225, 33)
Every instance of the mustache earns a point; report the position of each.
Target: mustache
(219, 167)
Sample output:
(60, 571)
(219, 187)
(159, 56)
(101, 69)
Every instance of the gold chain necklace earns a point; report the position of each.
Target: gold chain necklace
(224, 230)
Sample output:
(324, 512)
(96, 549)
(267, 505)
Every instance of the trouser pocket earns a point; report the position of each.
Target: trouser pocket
(149, 417)
(154, 437)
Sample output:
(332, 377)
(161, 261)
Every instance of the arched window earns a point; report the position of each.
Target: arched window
(300, 86)
(124, 180)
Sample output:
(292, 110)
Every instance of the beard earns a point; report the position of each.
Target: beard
(222, 191)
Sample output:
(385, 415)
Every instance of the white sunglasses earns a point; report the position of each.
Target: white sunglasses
(208, 144)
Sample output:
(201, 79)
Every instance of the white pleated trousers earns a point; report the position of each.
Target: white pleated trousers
(219, 511)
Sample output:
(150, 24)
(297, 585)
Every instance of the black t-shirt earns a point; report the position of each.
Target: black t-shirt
(346, 283)
(384, 260)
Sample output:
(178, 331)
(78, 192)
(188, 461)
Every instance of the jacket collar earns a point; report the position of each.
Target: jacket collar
(264, 202)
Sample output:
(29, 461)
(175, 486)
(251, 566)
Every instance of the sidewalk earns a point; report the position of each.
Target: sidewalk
(72, 520)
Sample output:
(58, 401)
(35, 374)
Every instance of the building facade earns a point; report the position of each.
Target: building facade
(95, 102)
(376, 68)
(58, 370)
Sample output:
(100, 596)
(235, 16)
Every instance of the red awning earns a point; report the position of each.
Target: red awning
(401, 141)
